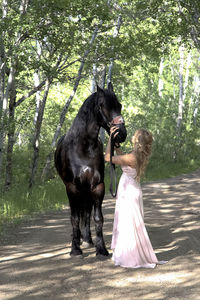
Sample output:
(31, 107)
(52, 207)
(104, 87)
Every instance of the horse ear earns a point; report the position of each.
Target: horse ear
(100, 92)
(100, 95)
(110, 87)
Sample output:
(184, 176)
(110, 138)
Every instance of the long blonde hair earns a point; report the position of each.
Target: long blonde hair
(142, 141)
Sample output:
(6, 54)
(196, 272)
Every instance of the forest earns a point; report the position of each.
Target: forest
(53, 53)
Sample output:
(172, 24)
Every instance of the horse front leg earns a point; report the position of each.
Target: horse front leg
(86, 232)
(74, 201)
(76, 233)
(98, 194)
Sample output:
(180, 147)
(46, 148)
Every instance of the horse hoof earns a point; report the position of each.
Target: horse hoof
(102, 257)
(87, 245)
(76, 252)
(102, 253)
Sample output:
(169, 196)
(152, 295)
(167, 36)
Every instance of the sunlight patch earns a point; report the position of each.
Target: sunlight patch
(157, 278)
(45, 255)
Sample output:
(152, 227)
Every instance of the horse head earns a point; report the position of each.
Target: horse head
(109, 110)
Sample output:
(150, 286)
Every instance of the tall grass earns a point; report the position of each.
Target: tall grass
(18, 202)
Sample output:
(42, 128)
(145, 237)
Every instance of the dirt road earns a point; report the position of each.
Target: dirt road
(35, 261)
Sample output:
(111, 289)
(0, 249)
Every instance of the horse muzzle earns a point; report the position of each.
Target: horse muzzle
(121, 129)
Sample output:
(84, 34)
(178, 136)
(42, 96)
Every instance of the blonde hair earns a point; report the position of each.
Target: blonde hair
(142, 141)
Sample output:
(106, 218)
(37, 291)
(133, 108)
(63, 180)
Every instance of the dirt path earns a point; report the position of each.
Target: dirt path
(35, 260)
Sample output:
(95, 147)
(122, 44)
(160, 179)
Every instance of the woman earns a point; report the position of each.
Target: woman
(130, 241)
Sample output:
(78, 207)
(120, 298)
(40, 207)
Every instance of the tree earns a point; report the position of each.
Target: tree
(148, 35)
(57, 28)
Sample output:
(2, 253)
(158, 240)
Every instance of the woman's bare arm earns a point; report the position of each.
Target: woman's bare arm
(118, 151)
(120, 159)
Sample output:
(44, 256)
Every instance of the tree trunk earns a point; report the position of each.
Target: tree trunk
(189, 58)
(181, 100)
(187, 72)
(3, 109)
(3, 104)
(11, 90)
(160, 81)
(173, 78)
(103, 78)
(102, 85)
(38, 123)
(196, 96)
(110, 69)
(115, 34)
(94, 74)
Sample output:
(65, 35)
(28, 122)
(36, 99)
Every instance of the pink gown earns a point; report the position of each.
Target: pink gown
(130, 241)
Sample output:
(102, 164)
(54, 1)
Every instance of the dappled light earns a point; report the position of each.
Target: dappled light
(36, 264)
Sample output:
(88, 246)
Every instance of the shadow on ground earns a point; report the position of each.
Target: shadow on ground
(35, 261)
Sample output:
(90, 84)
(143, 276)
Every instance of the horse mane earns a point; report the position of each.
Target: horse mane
(89, 103)
(87, 108)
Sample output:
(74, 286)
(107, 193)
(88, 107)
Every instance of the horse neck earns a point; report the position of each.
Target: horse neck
(86, 124)
(89, 130)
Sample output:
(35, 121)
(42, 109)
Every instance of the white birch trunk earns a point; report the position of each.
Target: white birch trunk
(94, 74)
(103, 78)
(115, 34)
(3, 106)
(36, 79)
(110, 69)
(2, 110)
(11, 93)
(36, 139)
(37, 97)
(102, 85)
(187, 72)
(189, 59)
(173, 77)
(160, 81)
(196, 96)
(180, 102)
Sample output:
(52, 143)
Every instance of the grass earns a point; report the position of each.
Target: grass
(161, 170)
(17, 203)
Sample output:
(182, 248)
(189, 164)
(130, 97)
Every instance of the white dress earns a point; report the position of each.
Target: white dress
(130, 241)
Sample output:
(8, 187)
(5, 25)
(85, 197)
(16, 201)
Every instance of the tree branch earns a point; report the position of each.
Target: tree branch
(32, 92)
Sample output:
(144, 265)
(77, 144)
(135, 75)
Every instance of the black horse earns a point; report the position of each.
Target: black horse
(79, 161)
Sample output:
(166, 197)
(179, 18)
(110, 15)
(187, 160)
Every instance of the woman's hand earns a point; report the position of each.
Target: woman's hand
(113, 131)
(113, 134)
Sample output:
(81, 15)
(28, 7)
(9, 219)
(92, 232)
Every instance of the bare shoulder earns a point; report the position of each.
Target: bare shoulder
(133, 160)
(128, 159)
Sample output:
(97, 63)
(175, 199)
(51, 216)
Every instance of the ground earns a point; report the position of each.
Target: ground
(35, 261)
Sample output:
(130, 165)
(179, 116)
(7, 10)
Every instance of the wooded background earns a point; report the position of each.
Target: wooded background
(52, 54)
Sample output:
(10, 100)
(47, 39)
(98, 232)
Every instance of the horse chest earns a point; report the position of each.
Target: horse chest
(88, 175)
